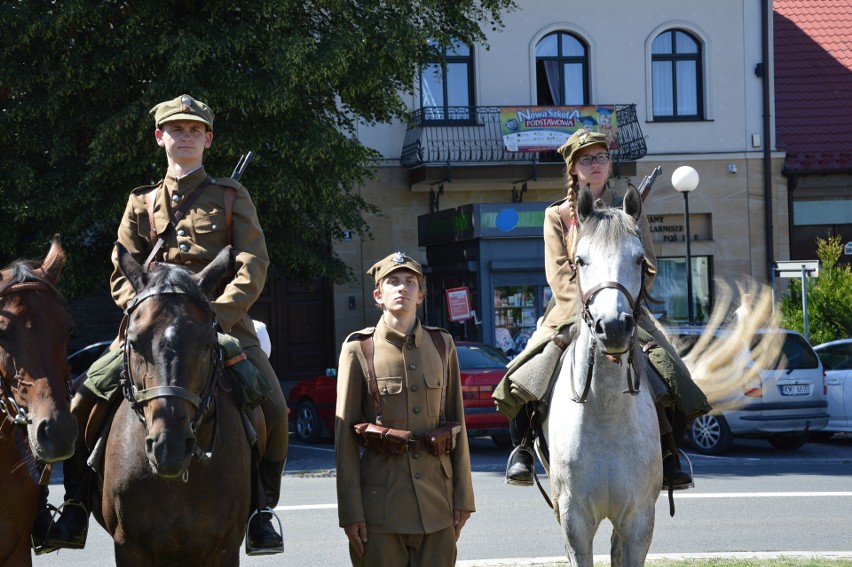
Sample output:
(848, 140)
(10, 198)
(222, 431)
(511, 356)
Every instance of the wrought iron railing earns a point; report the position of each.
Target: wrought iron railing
(471, 134)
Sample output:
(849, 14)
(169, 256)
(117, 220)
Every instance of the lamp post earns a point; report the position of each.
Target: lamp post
(685, 180)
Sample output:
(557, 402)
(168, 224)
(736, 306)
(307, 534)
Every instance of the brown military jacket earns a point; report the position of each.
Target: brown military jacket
(199, 237)
(560, 275)
(413, 493)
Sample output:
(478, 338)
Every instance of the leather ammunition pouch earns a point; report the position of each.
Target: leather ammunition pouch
(443, 439)
(383, 439)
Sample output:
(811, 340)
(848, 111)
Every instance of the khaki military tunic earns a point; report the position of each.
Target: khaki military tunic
(414, 493)
(199, 236)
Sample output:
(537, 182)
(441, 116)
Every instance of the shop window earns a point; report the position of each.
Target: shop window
(516, 312)
(670, 288)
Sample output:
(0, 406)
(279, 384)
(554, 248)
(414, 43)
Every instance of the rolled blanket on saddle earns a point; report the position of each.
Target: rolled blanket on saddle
(530, 376)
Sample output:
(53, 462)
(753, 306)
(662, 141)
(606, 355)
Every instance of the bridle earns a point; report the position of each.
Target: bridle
(636, 309)
(138, 398)
(11, 411)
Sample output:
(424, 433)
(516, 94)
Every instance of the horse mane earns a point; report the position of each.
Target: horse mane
(609, 226)
(718, 361)
(170, 275)
(23, 271)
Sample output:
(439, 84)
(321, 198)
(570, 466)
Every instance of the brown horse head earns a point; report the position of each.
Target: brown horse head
(171, 355)
(34, 330)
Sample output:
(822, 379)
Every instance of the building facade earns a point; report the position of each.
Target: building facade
(686, 83)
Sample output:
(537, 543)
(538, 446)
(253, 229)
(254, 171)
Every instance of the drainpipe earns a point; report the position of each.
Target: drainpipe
(767, 141)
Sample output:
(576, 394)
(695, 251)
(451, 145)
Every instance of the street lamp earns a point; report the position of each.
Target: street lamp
(685, 180)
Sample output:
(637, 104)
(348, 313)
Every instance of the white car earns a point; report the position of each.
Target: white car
(786, 405)
(836, 357)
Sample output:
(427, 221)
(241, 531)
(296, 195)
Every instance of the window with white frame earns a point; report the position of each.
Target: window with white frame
(562, 70)
(676, 75)
(446, 86)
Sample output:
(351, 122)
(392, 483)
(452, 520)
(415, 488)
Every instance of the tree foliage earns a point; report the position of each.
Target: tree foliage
(290, 80)
(829, 297)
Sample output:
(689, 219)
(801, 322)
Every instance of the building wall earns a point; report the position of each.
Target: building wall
(619, 34)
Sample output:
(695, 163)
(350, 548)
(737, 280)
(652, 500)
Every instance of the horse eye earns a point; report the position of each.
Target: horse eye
(579, 261)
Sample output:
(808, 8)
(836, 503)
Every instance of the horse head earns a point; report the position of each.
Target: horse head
(609, 262)
(172, 359)
(34, 329)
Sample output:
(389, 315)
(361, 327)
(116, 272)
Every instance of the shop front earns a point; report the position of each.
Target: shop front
(490, 255)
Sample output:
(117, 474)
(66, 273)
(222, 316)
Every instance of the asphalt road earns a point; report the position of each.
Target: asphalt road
(756, 499)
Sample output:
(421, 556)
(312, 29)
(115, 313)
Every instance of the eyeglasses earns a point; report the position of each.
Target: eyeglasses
(587, 159)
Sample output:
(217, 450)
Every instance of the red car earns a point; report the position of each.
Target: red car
(312, 400)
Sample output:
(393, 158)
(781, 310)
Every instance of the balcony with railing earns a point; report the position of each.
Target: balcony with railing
(473, 134)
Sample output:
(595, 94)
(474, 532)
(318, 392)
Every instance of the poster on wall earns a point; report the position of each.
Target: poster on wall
(545, 128)
(458, 304)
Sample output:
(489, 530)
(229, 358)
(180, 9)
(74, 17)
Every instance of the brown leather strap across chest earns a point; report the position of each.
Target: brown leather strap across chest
(368, 349)
(230, 195)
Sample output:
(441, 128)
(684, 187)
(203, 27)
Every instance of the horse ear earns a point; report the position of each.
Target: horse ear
(131, 269)
(53, 263)
(585, 203)
(633, 203)
(213, 272)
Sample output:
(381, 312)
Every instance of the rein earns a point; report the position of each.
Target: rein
(137, 398)
(636, 307)
(9, 408)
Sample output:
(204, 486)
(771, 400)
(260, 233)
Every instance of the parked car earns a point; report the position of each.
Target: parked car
(482, 367)
(783, 406)
(836, 358)
(80, 360)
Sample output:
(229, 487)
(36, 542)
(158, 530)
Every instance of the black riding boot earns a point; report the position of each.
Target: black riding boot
(42, 521)
(263, 538)
(72, 526)
(673, 474)
(519, 469)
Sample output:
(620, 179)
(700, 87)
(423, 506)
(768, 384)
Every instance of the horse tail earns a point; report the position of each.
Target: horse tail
(734, 346)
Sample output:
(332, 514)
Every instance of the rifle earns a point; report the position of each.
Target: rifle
(243, 162)
(645, 187)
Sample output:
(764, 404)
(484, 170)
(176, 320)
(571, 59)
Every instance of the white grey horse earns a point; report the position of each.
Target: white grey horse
(602, 427)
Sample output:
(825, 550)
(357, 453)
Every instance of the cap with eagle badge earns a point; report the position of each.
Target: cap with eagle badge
(183, 107)
(579, 140)
(392, 263)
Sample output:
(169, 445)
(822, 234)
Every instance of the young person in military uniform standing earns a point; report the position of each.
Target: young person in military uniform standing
(403, 502)
(184, 129)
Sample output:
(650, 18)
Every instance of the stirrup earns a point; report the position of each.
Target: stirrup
(39, 547)
(515, 452)
(691, 484)
(43, 546)
(692, 476)
(264, 550)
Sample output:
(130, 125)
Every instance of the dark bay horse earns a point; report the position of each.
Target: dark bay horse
(36, 426)
(176, 483)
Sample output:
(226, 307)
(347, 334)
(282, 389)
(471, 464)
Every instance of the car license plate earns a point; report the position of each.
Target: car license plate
(795, 390)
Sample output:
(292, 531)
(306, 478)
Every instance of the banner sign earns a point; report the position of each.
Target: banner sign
(458, 304)
(545, 128)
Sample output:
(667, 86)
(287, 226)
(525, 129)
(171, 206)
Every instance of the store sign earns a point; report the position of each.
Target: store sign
(458, 304)
(847, 249)
(670, 228)
(545, 128)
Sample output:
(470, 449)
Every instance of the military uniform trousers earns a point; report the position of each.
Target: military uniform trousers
(437, 549)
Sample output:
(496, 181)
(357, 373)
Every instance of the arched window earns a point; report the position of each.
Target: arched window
(561, 70)
(676, 75)
(446, 87)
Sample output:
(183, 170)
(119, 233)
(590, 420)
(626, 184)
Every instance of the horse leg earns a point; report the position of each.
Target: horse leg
(630, 544)
(579, 538)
